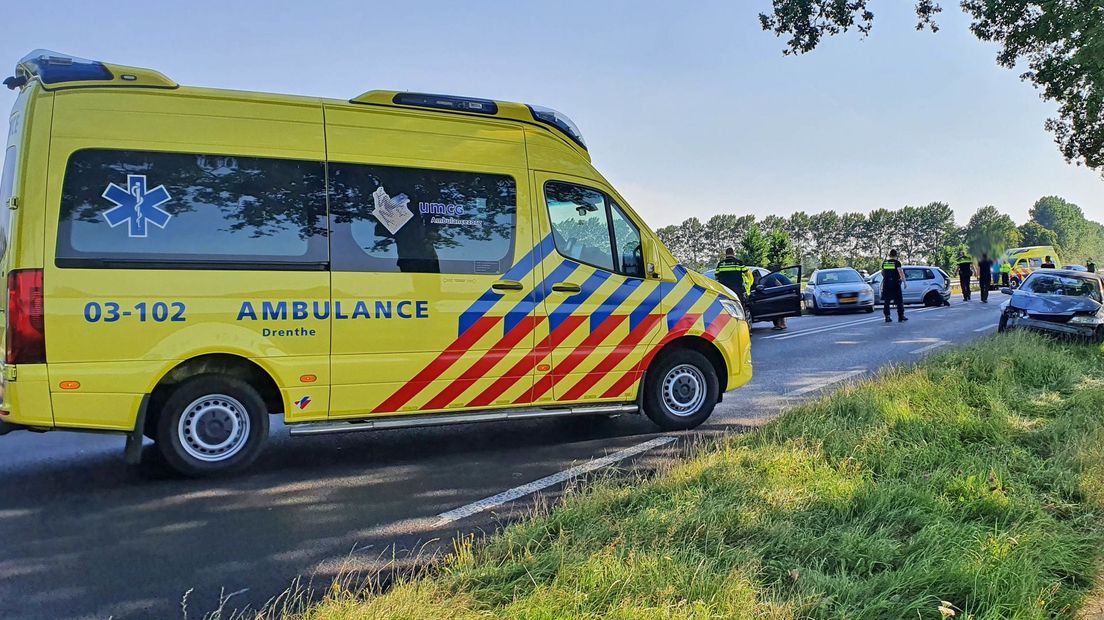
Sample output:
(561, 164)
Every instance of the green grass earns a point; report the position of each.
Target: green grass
(972, 483)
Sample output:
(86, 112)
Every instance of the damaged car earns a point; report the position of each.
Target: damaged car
(1057, 301)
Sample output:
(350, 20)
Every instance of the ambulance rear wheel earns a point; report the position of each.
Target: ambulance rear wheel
(211, 424)
(680, 390)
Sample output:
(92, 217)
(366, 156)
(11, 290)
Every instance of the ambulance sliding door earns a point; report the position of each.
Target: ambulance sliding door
(432, 263)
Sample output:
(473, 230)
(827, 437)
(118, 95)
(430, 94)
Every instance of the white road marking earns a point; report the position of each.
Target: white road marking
(986, 328)
(821, 330)
(511, 494)
(843, 376)
(934, 345)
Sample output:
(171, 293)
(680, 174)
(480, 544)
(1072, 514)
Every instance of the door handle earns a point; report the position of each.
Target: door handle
(507, 285)
(566, 287)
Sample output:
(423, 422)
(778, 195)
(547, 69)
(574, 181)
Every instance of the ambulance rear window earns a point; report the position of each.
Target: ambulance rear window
(392, 219)
(174, 210)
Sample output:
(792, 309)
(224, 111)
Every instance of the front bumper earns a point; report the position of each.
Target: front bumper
(1080, 331)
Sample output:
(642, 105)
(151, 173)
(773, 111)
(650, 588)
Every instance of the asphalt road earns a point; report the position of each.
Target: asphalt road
(84, 536)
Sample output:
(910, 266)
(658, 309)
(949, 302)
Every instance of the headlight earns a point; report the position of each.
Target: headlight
(868, 291)
(734, 309)
(1086, 319)
(826, 293)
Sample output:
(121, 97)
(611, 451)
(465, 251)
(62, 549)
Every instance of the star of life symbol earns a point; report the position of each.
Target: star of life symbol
(392, 212)
(136, 206)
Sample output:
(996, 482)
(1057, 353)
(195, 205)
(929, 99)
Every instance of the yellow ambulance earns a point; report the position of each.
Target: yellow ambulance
(182, 263)
(1027, 259)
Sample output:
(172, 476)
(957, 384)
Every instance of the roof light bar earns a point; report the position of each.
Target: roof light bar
(447, 102)
(55, 68)
(558, 120)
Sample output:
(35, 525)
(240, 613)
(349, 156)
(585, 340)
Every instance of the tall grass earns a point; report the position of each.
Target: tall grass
(970, 486)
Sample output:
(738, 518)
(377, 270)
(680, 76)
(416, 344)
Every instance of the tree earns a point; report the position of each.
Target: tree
(1060, 43)
(1034, 233)
(692, 243)
(851, 244)
(779, 249)
(772, 223)
(824, 238)
(797, 227)
(990, 231)
(725, 231)
(754, 247)
(1064, 218)
(879, 232)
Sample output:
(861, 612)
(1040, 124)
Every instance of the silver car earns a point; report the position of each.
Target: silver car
(927, 285)
(838, 289)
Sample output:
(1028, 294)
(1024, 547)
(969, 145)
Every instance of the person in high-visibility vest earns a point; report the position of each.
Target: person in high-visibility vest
(965, 272)
(893, 280)
(1006, 272)
(733, 274)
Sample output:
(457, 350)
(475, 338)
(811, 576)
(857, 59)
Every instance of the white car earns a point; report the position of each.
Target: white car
(927, 285)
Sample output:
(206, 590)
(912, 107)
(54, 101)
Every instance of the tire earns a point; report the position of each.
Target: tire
(1014, 283)
(816, 309)
(933, 299)
(1002, 324)
(211, 424)
(680, 390)
(869, 310)
(1098, 337)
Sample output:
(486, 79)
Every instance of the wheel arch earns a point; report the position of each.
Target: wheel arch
(706, 348)
(226, 364)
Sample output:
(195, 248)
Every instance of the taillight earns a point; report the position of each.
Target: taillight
(26, 320)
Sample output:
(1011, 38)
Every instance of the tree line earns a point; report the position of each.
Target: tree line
(924, 234)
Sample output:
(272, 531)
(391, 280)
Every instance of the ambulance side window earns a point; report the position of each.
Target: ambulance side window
(157, 210)
(589, 227)
(417, 220)
(580, 224)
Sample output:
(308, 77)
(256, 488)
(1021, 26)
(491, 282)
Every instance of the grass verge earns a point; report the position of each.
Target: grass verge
(970, 485)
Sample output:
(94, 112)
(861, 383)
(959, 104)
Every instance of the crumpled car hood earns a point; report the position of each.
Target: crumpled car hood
(1052, 304)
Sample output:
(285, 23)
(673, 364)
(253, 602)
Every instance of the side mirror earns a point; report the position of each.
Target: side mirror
(649, 252)
(759, 288)
(1006, 290)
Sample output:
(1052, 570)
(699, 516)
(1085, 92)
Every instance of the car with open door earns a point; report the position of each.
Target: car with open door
(775, 295)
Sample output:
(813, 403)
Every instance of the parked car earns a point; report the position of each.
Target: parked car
(1076, 268)
(774, 294)
(838, 289)
(1058, 301)
(927, 285)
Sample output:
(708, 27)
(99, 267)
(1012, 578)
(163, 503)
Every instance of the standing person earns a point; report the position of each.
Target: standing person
(893, 281)
(965, 272)
(1048, 263)
(1005, 271)
(772, 280)
(1090, 265)
(733, 274)
(985, 276)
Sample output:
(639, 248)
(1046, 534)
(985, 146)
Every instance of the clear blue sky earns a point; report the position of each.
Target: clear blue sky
(687, 112)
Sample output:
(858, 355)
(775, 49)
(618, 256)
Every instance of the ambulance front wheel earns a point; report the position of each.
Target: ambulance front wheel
(680, 390)
(211, 424)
